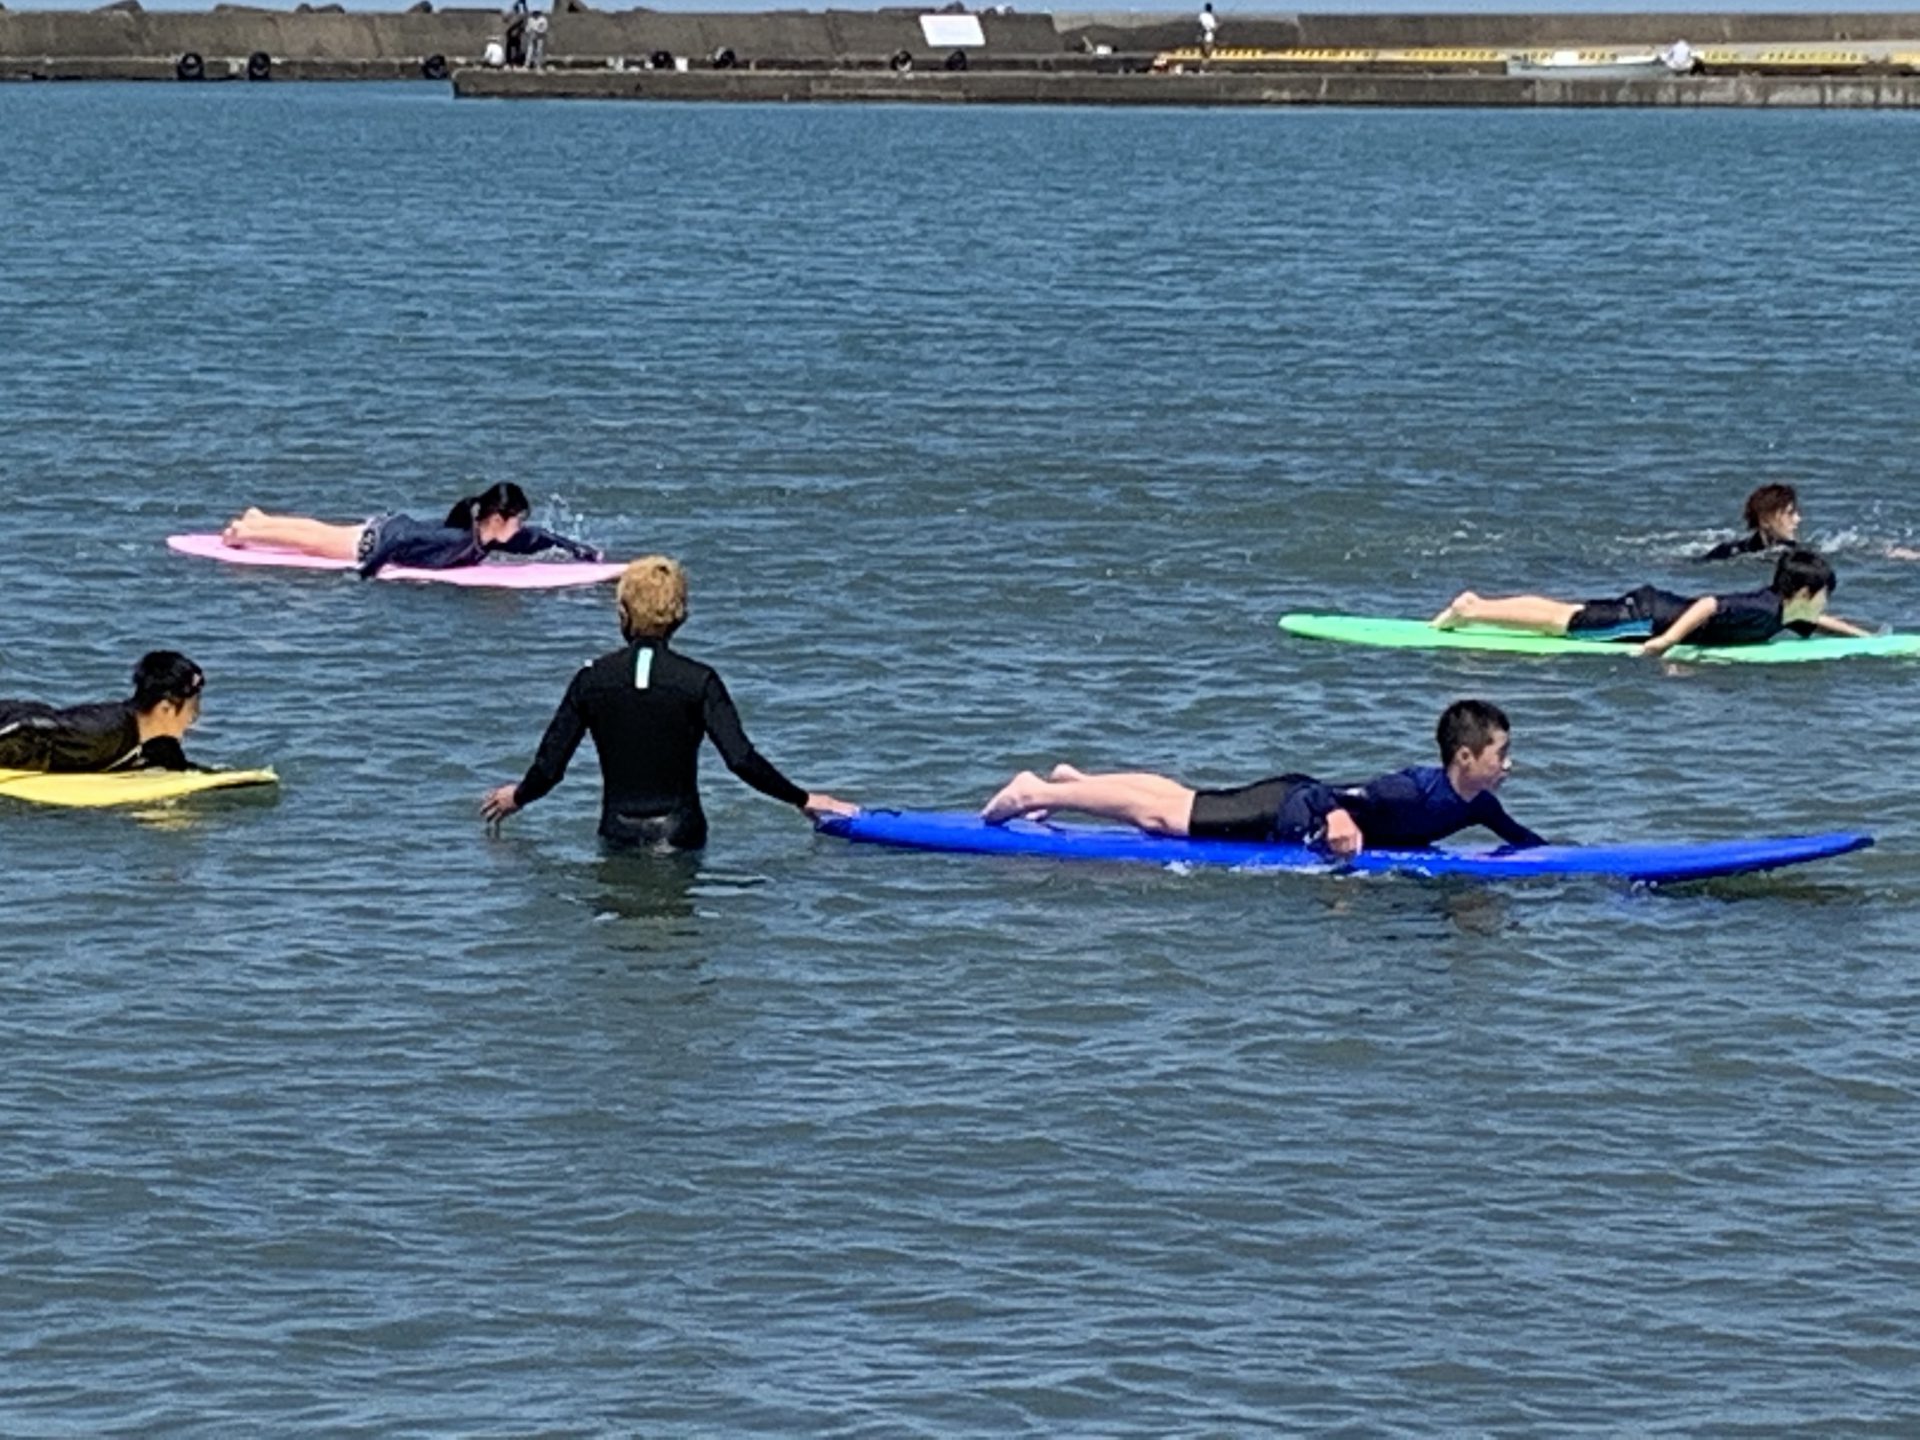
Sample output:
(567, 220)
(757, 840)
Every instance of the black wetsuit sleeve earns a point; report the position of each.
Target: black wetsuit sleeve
(532, 539)
(1489, 812)
(564, 733)
(729, 737)
(1733, 549)
(164, 752)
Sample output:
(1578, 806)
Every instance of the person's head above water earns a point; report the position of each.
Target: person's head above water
(494, 515)
(166, 693)
(1774, 511)
(653, 598)
(1804, 581)
(1474, 746)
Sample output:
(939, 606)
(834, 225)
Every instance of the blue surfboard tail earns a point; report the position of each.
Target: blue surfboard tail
(958, 832)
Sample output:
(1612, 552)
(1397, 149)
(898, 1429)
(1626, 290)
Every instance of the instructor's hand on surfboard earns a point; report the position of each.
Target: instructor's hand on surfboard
(499, 804)
(1343, 835)
(819, 804)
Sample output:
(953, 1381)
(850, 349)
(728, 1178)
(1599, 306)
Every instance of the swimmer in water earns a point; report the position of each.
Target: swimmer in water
(1408, 809)
(495, 519)
(1773, 520)
(1796, 600)
(648, 708)
(141, 733)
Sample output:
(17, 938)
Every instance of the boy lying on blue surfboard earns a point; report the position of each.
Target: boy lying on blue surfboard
(1407, 809)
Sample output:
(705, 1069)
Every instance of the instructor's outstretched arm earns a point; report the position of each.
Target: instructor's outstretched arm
(564, 733)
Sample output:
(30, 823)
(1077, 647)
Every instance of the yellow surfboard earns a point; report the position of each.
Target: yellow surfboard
(125, 787)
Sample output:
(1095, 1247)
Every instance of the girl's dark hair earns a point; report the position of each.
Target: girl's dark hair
(505, 498)
(1769, 500)
(1802, 570)
(165, 675)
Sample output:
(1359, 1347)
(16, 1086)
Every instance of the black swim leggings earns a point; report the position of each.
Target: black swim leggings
(1247, 814)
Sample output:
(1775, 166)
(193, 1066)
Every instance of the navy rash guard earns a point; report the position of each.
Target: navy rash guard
(1749, 618)
(1406, 810)
(403, 540)
(82, 739)
(648, 709)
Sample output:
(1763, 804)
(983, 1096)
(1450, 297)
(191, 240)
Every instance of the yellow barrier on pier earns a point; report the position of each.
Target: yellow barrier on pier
(1435, 58)
(1813, 58)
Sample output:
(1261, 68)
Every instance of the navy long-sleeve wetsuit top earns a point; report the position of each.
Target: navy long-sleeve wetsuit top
(403, 540)
(1406, 810)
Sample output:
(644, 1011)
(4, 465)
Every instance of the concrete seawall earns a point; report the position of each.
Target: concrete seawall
(1045, 87)
(833, 54)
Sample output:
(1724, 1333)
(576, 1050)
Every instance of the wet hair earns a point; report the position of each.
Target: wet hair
(1802, 570)
(504, 498)
(653, 598)
(1471, 724)
(165, 675)
(1768, 501)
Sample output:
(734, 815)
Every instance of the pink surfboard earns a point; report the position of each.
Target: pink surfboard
(500, 574)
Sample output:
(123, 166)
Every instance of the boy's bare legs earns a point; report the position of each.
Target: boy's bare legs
(1151, 802)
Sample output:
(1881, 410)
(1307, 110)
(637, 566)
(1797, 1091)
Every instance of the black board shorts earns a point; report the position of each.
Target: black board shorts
(1631, 617)
(1248, 813)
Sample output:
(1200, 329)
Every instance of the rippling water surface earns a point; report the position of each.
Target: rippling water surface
(990, 438)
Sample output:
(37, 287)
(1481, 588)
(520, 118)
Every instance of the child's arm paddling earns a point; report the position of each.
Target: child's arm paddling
(1691, 619)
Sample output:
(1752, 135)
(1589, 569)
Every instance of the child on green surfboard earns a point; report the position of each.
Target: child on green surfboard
(1659, 619)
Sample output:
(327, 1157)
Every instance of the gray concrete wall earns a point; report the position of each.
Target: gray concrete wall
(845, 35)
(1516, 30)
(60, 33)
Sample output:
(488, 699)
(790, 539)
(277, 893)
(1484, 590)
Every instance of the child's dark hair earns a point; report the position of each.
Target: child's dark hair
(1802, 570)
(165, 675)
(1469, 723)
(505, 498)
(1767, 501)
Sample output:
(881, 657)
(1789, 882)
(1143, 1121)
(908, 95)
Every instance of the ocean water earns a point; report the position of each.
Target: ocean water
(990, 438)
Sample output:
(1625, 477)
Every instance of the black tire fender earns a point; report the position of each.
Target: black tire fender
(660, 60)
(190, 67)
(434, 67)
(901, 62)
(957, 60)
(725, 59)
(259, 66)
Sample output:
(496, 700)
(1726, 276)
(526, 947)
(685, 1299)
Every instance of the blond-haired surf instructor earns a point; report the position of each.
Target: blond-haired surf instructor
(648, 708)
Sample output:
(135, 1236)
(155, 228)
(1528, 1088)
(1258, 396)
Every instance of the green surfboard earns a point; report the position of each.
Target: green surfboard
(1784, 648)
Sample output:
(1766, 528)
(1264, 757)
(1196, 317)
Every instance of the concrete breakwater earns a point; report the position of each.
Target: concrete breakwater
(1850, 59)
(1016, 87)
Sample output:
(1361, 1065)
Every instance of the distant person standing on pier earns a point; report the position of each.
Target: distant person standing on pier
(517, 33)
(1209, 27)
(537, 41)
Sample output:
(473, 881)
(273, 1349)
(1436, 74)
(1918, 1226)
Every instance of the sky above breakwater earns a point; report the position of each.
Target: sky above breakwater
(1225, 7)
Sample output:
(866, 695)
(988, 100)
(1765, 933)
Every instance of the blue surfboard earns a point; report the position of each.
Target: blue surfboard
(959, 832)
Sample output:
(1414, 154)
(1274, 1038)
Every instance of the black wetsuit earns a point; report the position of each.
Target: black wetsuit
(403, 540)
(648, 710)
(82, 739)
(1758, 543)
(1749, 618)
(1406, 810)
